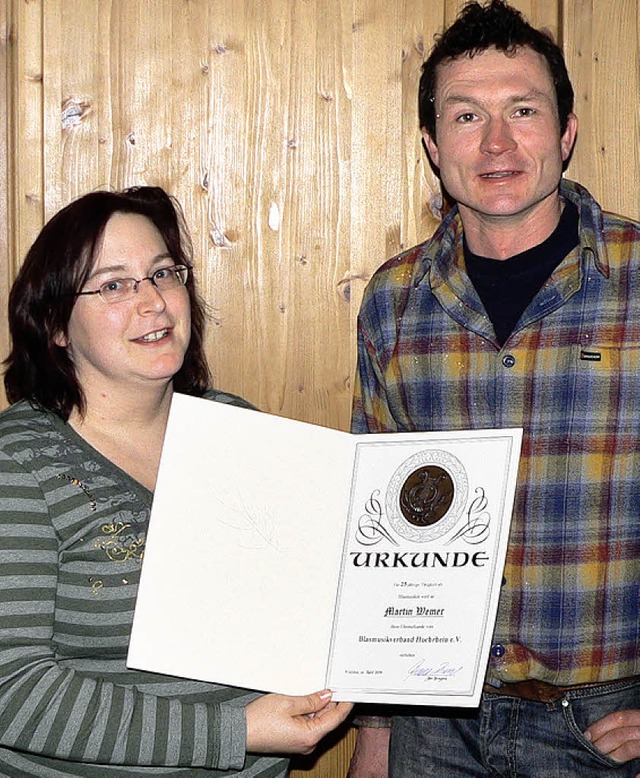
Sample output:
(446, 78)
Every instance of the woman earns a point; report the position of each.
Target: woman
(106, 325)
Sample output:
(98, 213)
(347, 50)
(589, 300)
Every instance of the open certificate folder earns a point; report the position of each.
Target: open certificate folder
(284, 556)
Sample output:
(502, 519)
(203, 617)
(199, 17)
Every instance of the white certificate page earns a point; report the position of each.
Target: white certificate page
(284, 556)
(422, 567)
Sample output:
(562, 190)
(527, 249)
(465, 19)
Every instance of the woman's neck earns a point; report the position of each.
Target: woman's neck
(127, 430)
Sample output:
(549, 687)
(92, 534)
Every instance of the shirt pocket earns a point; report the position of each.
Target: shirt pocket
(608, 388)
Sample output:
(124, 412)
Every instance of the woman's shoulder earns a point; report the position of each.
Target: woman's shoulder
(25, 429)
(226, 397)
(24, 417)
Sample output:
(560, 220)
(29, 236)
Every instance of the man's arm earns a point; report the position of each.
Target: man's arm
(370, 412)
(371, 755)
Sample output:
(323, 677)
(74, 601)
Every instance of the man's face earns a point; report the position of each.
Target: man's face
(499, 147)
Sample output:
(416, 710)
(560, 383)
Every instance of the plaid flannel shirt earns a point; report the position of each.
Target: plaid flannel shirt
(569, 375)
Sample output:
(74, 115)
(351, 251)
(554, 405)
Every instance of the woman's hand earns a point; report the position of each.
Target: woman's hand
(292, 725)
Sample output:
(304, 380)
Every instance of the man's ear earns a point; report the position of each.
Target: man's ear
(568, 138)
(431, 148)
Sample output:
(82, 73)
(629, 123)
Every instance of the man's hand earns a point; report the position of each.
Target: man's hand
(371, 755)
(292, 725)
(617, 735)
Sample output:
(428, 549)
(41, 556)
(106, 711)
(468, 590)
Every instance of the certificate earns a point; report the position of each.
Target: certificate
(284, 556)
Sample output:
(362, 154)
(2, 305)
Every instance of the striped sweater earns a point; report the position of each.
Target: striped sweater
(72, 535)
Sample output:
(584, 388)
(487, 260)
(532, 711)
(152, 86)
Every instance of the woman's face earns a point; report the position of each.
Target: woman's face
(135, 342)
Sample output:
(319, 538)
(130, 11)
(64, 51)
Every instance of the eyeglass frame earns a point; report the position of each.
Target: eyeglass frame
(180, 272)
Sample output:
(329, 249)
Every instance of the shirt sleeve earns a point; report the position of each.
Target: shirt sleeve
(50, 709)
(371, 411)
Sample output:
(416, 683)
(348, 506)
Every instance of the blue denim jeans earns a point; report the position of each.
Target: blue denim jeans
(512, 738)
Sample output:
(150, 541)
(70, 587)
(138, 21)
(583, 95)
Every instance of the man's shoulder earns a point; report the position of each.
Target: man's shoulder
(403, 270)
(614, 223)
(616, 239)
(594, 216)
(407, 259)
(410, 266)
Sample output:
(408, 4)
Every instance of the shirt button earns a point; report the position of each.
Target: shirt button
(498, 650)
(508, 360)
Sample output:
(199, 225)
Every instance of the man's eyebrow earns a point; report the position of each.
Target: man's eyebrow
(454, 99)
(530, 96)
(533, 94)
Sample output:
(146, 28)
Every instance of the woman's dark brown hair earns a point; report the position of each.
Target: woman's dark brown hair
(56, 267)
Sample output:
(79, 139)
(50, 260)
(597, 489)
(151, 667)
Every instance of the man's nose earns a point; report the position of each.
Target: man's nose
(497, 137)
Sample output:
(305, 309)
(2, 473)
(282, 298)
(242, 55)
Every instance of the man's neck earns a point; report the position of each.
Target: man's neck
(502, 237)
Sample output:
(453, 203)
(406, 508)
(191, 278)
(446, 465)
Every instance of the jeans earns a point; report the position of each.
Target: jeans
(512, 737)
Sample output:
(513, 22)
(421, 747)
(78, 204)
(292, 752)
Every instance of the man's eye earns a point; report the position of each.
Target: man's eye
(466, 118)
(525, 112)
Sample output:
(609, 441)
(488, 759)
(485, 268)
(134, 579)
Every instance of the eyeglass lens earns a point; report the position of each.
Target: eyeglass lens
(123, 288)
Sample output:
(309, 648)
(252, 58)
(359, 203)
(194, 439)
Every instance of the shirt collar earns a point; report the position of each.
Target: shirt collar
(447, 239)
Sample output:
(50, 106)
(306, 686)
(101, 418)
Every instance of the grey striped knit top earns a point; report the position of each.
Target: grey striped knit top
(72, 535)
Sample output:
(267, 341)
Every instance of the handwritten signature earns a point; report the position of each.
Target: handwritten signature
(438, 672)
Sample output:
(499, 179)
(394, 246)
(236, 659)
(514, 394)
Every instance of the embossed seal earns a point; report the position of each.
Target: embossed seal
(426, 495)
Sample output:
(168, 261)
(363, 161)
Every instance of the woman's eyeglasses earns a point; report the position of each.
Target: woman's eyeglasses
(118, 290)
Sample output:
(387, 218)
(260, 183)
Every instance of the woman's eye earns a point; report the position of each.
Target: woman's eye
(163, 273)
(113, 286)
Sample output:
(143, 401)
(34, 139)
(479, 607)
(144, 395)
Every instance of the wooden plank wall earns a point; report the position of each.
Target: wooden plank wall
(288, 131)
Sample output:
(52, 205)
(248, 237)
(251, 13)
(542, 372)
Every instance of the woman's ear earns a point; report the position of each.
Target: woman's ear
(60, 339)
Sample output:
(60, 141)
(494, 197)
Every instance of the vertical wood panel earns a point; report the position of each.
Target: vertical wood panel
(289, 246)
(331, 759)
(64, 121)
(602, 45)
(26, 193)
(5, 112)
(394, 190)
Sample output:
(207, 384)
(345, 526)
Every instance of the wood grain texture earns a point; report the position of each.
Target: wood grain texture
(6, 275)
(603, 56)
(331, 758)
(26, 191)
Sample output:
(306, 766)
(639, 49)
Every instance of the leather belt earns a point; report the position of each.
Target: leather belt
(540, 691)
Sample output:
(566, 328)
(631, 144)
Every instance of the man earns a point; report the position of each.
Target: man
(522, 310)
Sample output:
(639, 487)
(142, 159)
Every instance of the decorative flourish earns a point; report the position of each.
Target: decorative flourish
(119, 544)
(370, 527)
(476, 529)
(96, 585)
(80, 485)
